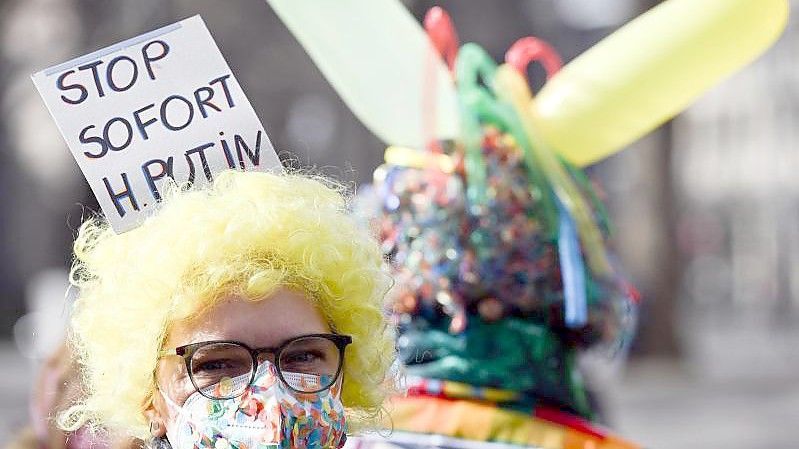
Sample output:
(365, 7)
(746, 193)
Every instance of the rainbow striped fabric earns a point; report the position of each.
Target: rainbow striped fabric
(463, 414)
(485, 422)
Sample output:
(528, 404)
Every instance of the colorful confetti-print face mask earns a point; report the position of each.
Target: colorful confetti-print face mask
(269, 415)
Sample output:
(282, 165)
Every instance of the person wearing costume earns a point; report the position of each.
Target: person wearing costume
(247, 314)
(495, 236)
(496, 291)
(502, 278)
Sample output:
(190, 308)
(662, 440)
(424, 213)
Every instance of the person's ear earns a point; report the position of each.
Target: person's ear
(156, 416)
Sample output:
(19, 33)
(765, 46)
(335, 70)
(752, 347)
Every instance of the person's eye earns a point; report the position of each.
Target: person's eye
(210, 366)
(302, 357)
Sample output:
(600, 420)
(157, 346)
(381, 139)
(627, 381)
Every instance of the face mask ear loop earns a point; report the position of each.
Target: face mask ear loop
(168, 400)
(179, 409)
(175, 408)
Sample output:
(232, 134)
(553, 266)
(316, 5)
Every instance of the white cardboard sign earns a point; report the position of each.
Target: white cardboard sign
(163, 104)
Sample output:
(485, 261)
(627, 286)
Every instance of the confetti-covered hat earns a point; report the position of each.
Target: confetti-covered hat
(497, 248)
(505, 257)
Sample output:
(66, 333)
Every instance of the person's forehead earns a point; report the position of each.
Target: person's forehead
(263, 323)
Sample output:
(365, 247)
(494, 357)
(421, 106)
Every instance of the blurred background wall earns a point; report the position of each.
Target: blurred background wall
(705, 208)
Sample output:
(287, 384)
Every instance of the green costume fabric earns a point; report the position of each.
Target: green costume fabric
(512, 354)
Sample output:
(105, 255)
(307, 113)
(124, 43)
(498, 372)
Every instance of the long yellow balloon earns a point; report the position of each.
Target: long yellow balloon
(650, 70)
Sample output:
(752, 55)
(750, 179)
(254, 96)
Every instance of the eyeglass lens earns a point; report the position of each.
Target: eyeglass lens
(221, 369)
(309, 364)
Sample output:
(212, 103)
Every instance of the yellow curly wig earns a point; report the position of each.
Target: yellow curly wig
(248, 233)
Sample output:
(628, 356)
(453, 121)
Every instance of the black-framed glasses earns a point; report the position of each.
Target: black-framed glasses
(224, 369)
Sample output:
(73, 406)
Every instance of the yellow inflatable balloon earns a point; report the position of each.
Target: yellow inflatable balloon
(650, 70)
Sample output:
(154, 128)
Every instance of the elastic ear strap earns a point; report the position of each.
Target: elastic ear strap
(172, 404)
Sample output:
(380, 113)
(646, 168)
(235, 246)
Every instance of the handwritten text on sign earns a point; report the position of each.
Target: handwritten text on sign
(161, 105)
